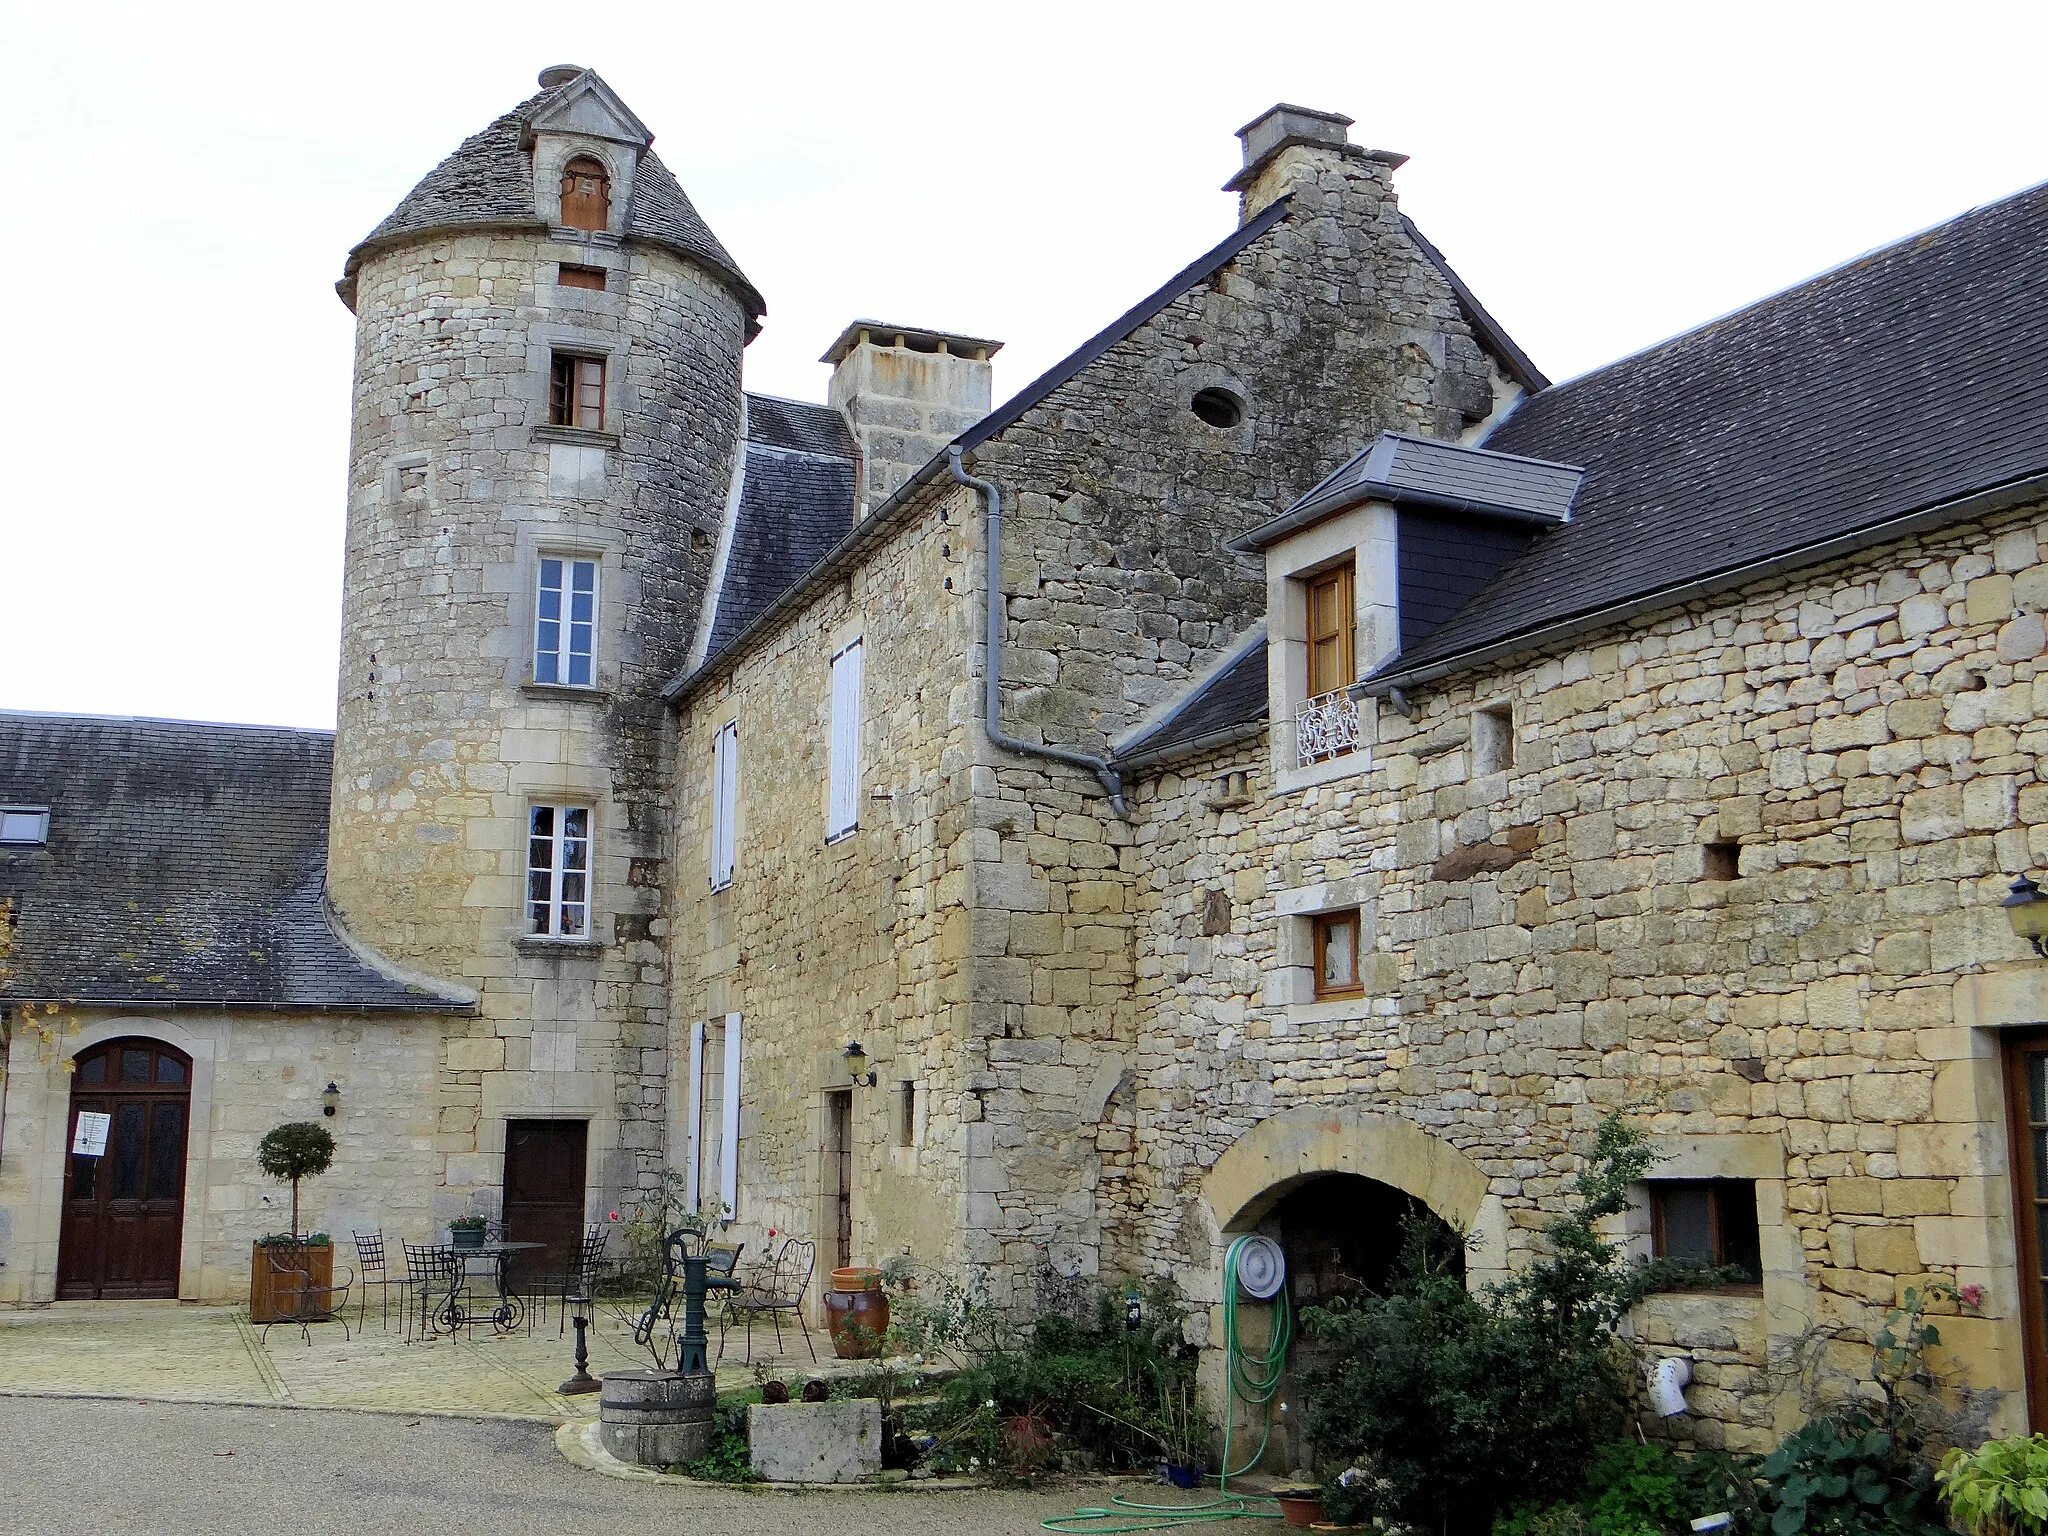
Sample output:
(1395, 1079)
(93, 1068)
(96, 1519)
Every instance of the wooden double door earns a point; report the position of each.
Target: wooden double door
(124, 1209)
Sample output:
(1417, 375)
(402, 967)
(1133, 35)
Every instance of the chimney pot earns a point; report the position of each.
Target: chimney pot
(559, 74)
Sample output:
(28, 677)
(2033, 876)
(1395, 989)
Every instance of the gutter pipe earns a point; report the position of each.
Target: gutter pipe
(992, 708)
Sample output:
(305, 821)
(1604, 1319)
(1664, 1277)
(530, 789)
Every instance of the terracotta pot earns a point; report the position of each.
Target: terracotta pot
(859, 1319)
(858, 1278)
(273, 1292)
(1300, 1510)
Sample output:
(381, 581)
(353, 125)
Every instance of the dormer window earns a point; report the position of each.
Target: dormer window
(586, 194)
(1326, 721)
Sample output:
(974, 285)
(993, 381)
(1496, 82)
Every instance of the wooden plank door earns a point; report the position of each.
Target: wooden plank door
(124, 1213)
(544, 1196)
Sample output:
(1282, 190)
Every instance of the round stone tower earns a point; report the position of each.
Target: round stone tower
(547, 411)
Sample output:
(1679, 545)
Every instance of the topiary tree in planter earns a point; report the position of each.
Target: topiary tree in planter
(298, 1149)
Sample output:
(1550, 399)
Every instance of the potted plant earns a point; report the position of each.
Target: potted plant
(282, 1264)
(468, 1231)
(1301, 1506)
(1184, 1434)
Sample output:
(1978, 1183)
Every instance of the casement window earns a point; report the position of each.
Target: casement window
(586, 194)
(842, 811)
(565, 622)
(1707, 1222)
(558, 872)
(725, 786)
(576, 391)
(591, 278)
(1332, 631)
(1336, 956)
(24, 826)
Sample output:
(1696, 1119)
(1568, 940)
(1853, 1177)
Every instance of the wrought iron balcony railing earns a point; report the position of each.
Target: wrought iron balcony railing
(1326, 726)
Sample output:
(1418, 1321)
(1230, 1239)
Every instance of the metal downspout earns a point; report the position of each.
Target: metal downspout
(992, 708)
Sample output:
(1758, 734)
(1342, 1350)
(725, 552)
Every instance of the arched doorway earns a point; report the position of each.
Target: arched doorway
(124, 1206)
(1343, 1237)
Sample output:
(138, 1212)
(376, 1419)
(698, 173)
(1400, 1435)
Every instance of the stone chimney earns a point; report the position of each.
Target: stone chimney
(1284, 145)
(907, 393)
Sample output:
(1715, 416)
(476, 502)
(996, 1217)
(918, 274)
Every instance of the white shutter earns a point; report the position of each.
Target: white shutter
(693, 1174)
(843, 808)
(729, 1139)
(725, 783)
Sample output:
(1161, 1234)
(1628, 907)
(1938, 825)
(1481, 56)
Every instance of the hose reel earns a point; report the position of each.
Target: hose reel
(1261, 1266)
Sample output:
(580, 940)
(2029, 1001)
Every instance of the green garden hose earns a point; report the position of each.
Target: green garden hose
(1254, 1378)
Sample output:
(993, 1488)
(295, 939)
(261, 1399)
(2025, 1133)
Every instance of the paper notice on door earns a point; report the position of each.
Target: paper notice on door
(90, 1138)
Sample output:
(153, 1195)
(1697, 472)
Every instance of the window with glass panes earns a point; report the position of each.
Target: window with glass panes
(1336, 935)
(558, 872)
(565, 623)
(576, 392)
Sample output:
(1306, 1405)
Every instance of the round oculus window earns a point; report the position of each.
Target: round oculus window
(1220, 408)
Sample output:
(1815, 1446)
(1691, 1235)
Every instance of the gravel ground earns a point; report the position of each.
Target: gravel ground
(72, 1465)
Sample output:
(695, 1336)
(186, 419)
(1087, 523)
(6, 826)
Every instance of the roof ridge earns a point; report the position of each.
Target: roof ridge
(204, 725)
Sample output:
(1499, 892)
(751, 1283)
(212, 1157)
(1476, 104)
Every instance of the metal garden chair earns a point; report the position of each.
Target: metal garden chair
(371, 1270)
(777, 1289)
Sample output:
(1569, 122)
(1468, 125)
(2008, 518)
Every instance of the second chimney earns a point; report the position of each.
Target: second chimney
(907, 393)
(1282, 144)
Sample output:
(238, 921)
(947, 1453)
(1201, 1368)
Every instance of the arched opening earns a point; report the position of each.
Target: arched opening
(124, 1172)
(1343, 1235)
(586, 194)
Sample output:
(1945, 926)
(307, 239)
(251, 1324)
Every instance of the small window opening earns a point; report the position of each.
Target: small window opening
(580, 277)
(24, 826)
(586, 194)
(1336, 935)
(1709, 1222)
(1493, 739)
(906, 1113)
(1721, 861)
(576, 392)
(1220, 408)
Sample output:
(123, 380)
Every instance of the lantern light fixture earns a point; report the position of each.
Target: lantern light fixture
(2027, 910)
(330, 1099)
(857, 1068)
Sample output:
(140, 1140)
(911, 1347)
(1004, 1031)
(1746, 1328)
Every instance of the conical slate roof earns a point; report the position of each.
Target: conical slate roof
(488, 181)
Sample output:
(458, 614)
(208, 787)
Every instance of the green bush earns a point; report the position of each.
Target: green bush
(2000, 1488)
(1458, 1406)
(728, 1460)
(1847, 1475)
(1643, 1490)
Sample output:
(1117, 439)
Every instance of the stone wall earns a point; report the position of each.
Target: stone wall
(250, 1072)
(457, 486)
(1551, 943)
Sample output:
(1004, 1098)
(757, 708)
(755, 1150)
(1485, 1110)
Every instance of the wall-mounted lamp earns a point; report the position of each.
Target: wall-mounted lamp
(2027, 910)
(330, 1099)
(1134, 1308)
(857, 1066)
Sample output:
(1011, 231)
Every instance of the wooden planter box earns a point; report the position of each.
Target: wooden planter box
(273, 1295)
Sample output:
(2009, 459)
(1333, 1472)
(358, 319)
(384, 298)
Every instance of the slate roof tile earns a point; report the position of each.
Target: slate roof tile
(1221, 706)
(185, 866)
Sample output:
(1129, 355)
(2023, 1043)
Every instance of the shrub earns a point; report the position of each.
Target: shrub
(1847, 1475)
(1643, 1490)
(2000, 1488)
(728, 1460)
(299, 1149)
(1457, 1406)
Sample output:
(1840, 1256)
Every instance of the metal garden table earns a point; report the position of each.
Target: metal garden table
(454, 1313)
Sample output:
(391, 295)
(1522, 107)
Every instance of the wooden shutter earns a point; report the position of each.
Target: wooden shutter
(586, 194)
(843, 806)
(729, 1132)
(1332, 621)
(694, 1171)
(725, 777)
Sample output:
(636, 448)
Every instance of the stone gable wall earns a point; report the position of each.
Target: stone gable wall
(1867, 733)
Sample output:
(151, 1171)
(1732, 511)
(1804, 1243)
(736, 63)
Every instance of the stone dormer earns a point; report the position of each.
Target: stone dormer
(583, 128)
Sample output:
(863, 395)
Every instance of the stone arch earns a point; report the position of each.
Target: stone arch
(1286, 1150)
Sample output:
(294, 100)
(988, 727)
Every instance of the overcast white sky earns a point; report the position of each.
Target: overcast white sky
(184, 181)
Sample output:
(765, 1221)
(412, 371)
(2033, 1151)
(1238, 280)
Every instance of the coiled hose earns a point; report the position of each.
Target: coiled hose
(1253, 1378)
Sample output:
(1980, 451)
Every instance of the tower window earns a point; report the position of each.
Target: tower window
(592, 278)
(558, 871)
(586, 194)
(565, 623)
(1337, 955)
(576, 392)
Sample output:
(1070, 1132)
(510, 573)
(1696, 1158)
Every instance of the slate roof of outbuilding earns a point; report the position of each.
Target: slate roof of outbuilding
(489, 180)
(1906, 380)
(185, 867)
(1227, 705)
(796, 503)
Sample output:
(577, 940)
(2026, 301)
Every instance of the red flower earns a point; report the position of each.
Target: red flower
(615, 1215)
(1973, 1295)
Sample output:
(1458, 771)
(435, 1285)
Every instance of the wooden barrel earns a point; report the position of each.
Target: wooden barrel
(656, 1418)
(859, 1319)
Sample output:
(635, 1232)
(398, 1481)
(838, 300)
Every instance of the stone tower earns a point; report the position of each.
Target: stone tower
(547, 409)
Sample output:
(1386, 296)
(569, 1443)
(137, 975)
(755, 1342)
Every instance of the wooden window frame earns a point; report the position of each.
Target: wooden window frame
(1320, 925)
(569, 382)
(564, 655)
(589, 279)
(1717, 1241)
(2016, 1047)
(603, 177)
(1341, 580)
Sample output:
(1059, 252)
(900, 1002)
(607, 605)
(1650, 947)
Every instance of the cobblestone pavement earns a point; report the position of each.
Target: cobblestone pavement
(94, 1468)
(168, 1351)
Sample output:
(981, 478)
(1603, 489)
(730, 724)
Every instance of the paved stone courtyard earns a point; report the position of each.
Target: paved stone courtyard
(167, 1351)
